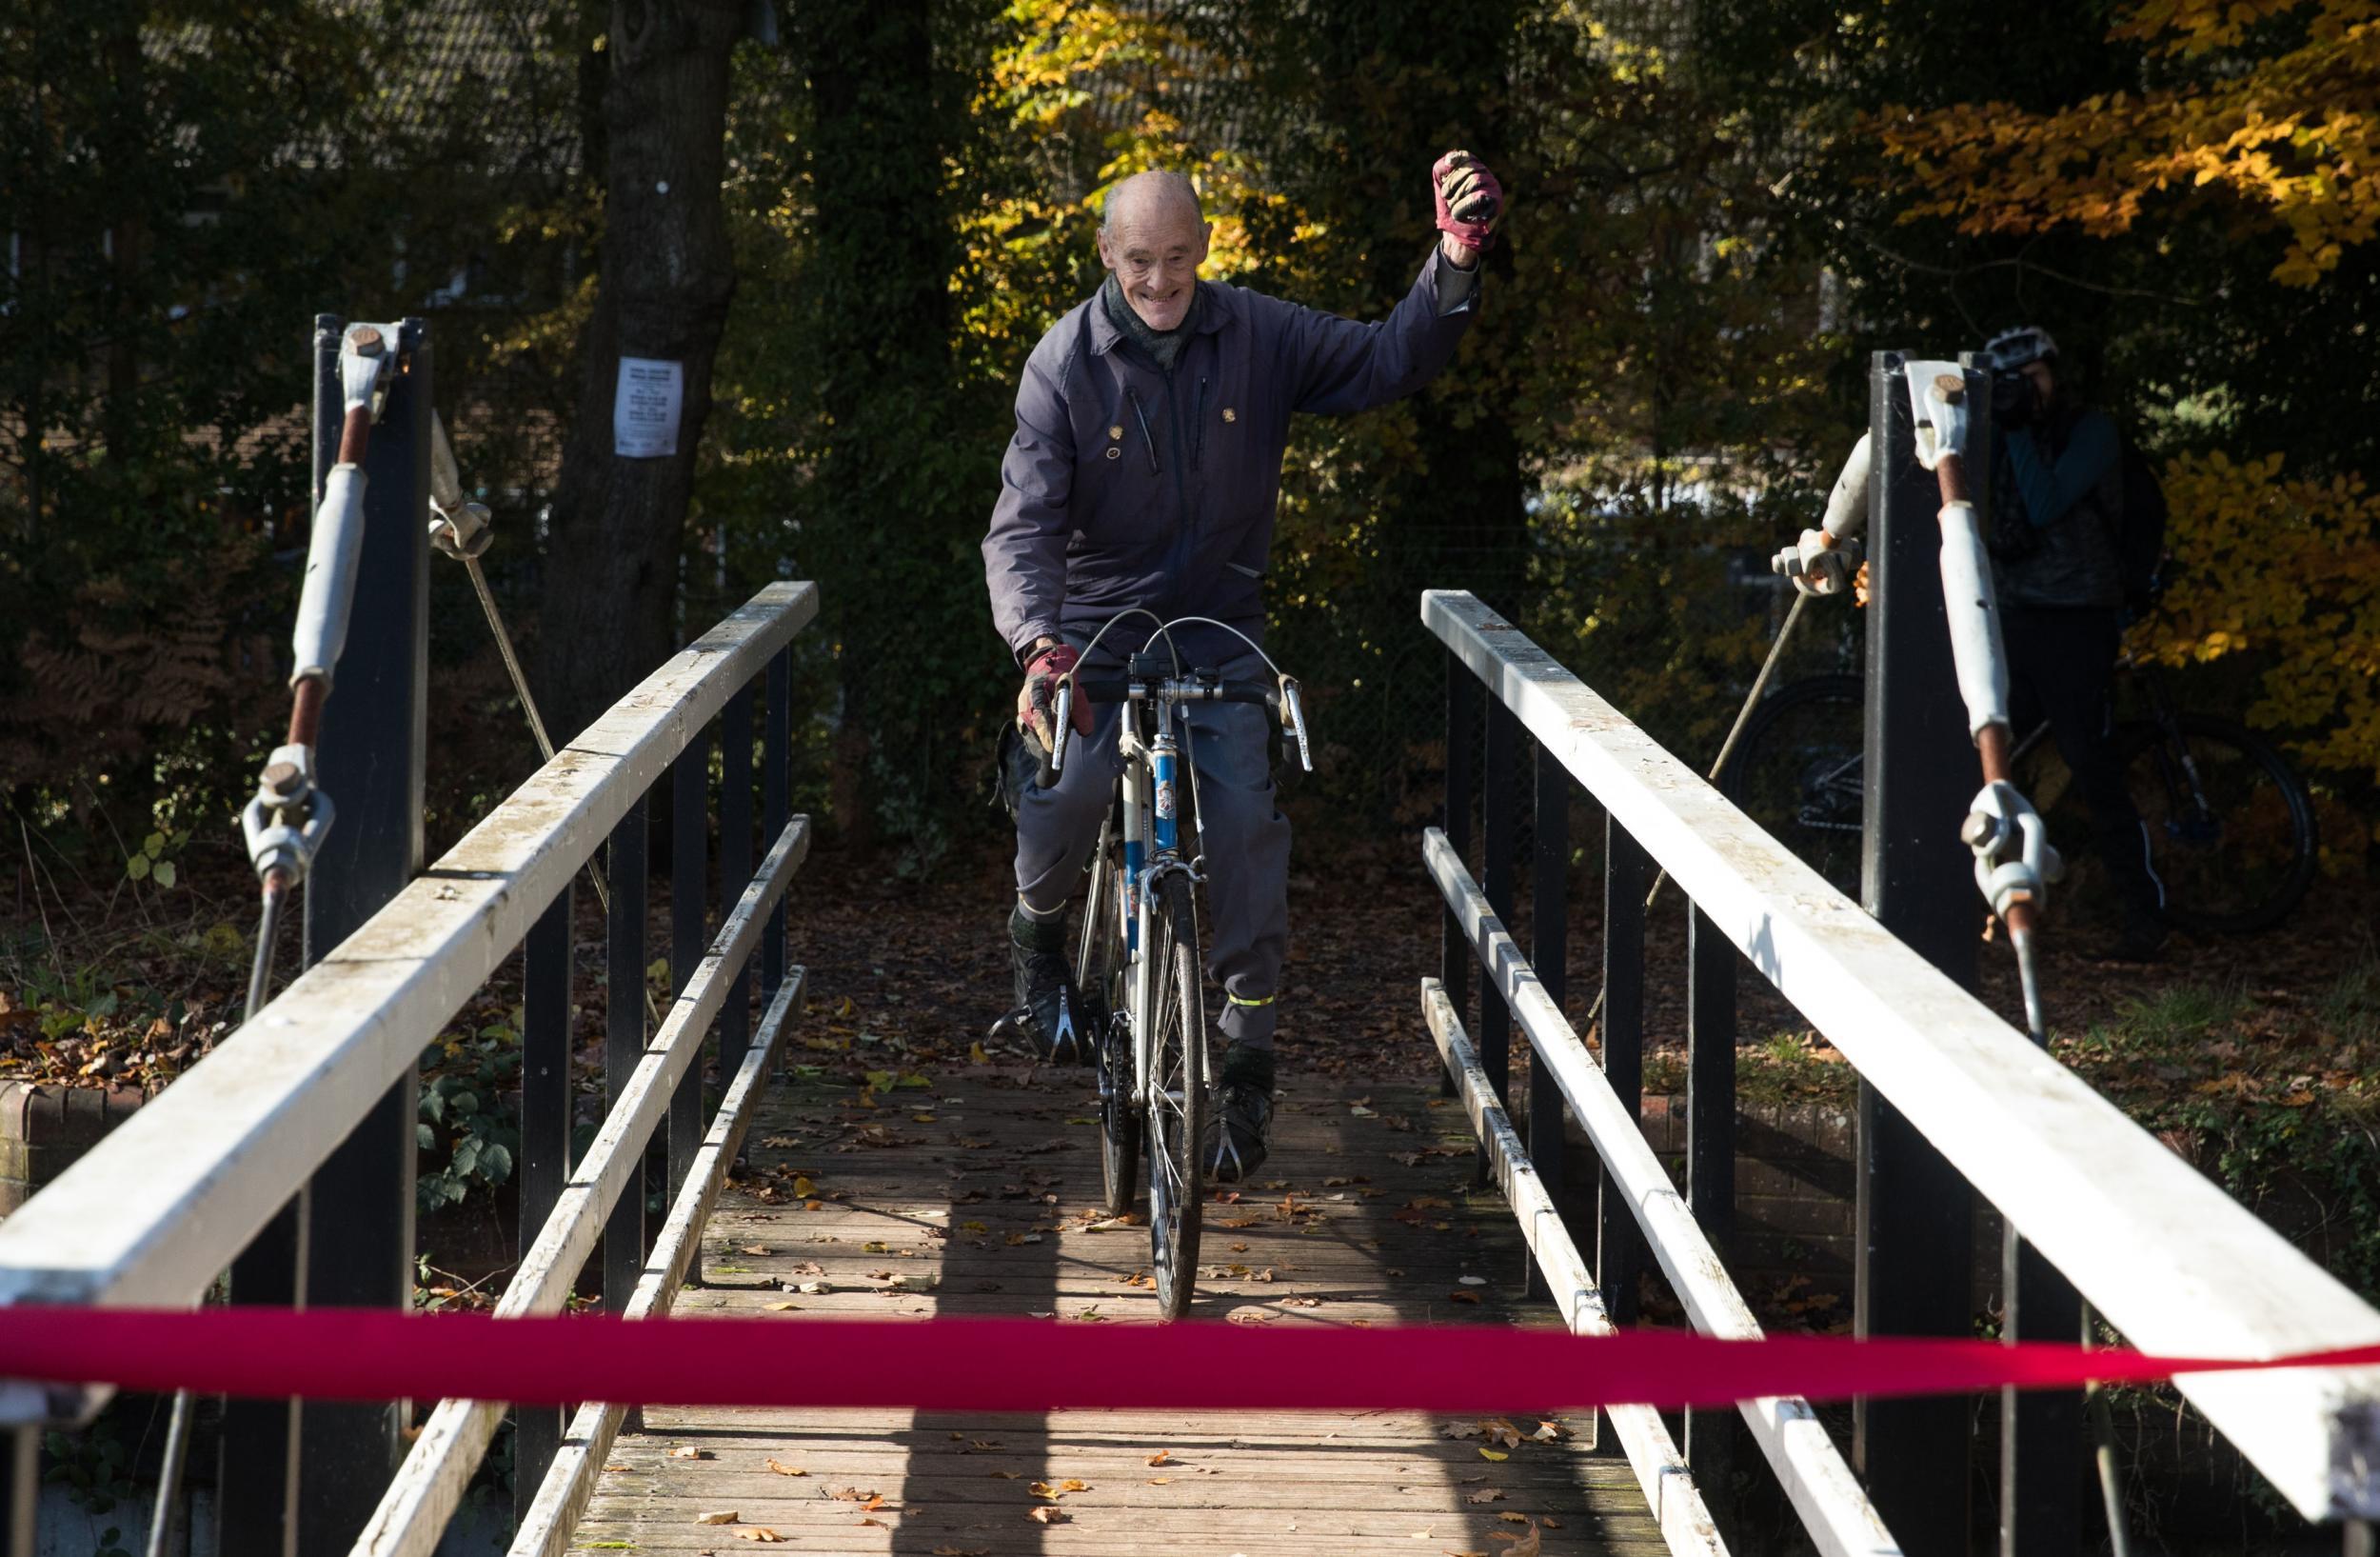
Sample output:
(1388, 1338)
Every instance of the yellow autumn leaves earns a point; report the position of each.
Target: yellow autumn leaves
(2290, 136)
(2282, 569)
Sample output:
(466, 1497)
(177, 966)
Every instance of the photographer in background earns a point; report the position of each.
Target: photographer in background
(2058, 497)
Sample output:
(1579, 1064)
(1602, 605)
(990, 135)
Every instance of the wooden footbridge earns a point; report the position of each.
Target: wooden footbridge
(974, 1194)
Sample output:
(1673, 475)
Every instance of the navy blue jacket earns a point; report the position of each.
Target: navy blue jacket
(2064, 475)
(1126, 485)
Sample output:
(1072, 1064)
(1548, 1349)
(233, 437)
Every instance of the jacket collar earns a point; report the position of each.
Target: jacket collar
(1211, 315)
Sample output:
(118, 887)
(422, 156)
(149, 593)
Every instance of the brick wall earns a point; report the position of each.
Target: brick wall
(44, 1129)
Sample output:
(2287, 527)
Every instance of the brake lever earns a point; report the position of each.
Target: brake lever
(1293, 707)
(1064, 720)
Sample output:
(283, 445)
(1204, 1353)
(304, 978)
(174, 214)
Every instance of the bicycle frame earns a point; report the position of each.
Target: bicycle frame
(1152, 840)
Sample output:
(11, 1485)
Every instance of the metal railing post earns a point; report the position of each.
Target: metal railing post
(1549, 952)
(776, 803)
(20, 1489)
(1627, 874)
(546, 1111)
(1499, 784)
(1462, 719)
(623, 1040)
(360, 1245)
(735, 864)
(1916, 1213)
(689, 827)
(256, 1473)
(1711, 1167)
(624, 1033)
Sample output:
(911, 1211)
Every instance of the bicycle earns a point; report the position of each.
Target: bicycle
(1139, 966)
(2231, 824)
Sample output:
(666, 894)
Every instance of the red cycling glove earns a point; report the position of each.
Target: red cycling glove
(1037, 701)
(1469, 199)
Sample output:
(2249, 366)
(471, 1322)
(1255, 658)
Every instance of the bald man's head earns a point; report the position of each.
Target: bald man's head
(1157, 194)
(1153, 235)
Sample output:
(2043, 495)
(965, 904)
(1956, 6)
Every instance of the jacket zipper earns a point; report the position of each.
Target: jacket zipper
(1146, 437)
(1182, 498)
(1197, 426)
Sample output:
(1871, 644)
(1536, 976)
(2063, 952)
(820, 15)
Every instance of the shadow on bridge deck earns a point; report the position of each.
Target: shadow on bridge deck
(976, 1196)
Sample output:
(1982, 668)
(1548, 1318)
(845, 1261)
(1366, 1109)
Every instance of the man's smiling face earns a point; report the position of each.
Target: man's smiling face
(1155, 240)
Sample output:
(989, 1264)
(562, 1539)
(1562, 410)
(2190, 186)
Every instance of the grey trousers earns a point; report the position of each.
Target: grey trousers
(1244, 839)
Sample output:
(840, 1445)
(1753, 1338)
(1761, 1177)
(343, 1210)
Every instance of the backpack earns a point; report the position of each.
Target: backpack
(2139, 526)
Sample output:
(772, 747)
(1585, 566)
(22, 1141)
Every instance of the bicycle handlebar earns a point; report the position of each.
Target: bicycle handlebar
(1174, 689)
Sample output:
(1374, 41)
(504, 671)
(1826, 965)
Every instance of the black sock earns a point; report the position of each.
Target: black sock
(1035, 933)
(1250, 1066)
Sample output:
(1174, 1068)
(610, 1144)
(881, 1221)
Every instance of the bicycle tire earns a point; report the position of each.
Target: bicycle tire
(1100, 971)
(2244, 867)
(1177, 1098)
(1796, 770)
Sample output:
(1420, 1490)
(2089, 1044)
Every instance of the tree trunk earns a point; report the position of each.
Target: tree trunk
(611, 564)
(879, 283)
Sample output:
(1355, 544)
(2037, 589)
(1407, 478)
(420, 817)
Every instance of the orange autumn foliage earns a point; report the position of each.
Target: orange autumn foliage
(2267, 106)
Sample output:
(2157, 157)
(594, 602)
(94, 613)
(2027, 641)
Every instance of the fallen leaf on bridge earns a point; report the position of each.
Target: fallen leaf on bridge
(761, 1534)
(1048, 1513)
(725, 1516)
(784, 1469)
(1160, 1457)
(687, 1451)
(1528, 1544)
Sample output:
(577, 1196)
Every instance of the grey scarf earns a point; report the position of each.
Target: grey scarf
(1162, 345)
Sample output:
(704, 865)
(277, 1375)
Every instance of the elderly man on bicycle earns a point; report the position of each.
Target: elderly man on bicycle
(1151, 425)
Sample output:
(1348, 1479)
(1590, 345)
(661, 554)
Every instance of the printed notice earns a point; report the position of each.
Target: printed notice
(644, 410)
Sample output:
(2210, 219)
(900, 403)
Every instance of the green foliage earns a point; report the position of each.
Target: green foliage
(2277, 1104)
(469, 1101)
(95, 1467)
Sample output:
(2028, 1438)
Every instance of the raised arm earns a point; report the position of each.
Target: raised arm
(1341, 365)
(1024, 554)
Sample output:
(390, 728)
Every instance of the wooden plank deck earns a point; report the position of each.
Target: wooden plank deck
(975, 1194)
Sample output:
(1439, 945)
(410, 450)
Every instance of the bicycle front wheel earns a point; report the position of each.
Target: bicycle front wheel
(1798, 772)
(2231, 826)
(1100, 972)
(1177, 1096)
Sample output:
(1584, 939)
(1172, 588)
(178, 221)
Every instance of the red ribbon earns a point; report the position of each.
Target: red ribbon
(1020, 1365)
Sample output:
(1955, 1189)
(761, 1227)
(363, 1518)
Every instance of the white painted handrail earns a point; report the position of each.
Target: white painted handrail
(562, 1497)
(155, 1211)
(1660, 1471)
(2163, 1254)
(430, 1485)
(1833, 1506)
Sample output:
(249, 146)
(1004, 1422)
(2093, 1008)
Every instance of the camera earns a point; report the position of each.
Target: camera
(2014, 398)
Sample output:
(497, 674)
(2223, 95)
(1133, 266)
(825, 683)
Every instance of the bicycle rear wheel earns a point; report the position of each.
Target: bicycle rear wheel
(1178, 1093)
(1101, 969)
(2231, 832)
(1797, 772)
